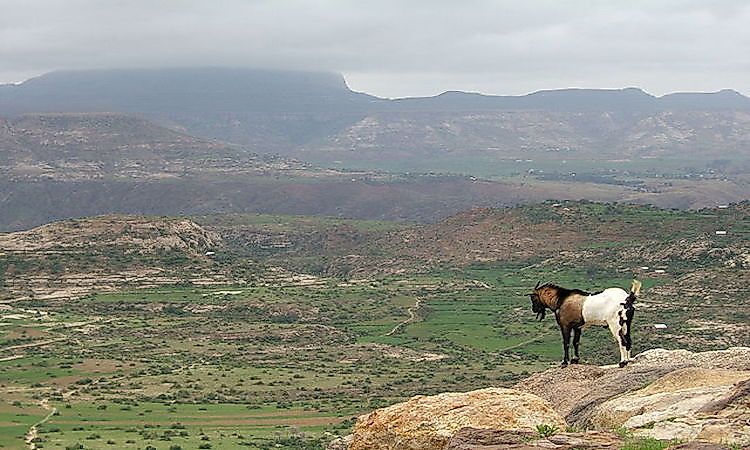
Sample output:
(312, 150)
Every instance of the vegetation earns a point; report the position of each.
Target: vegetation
(264, 346)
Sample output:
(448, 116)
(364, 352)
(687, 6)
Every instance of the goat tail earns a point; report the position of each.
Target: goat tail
(635, 290)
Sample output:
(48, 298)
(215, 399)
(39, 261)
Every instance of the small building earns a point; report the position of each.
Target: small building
(210, 253)
(721, 232)
(660, 326)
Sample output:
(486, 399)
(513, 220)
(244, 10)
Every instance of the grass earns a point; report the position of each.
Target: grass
(647, 444)
(274, 362)
(545, 431)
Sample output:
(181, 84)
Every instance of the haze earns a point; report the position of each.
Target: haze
(396, 48)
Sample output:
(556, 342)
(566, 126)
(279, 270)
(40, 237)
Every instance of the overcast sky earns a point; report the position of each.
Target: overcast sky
(400, 47)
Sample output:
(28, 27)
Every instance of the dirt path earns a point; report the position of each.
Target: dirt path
(33, 344)
(34, 431)
(412, 317)
(526, 342)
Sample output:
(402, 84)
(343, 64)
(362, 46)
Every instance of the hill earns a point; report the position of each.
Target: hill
(75, 257)
(316, 117)
(74, 147)
(62, 165)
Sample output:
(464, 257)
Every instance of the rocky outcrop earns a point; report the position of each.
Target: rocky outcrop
(687, 404)
(576, 390)
(428, 423)
(477, 439)
(699, 399)
(131, 234)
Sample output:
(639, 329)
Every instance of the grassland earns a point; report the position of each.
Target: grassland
(286, 361)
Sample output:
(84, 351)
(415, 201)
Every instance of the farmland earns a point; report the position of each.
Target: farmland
(299, 324)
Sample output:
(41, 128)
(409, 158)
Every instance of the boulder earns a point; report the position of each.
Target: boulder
(428, 423)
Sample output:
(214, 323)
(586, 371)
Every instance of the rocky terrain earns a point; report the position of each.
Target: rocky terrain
(542, 135)
(366, 314)
(74, 147)
(674, 396)
(72, 258)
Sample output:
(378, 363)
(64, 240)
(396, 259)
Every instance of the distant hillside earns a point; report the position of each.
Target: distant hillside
(74, 257)
(61, 165)
(316, 116)
(68, 146)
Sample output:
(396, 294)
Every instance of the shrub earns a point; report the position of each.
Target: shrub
(544, 430)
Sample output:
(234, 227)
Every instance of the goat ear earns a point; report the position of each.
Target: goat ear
(537, 284)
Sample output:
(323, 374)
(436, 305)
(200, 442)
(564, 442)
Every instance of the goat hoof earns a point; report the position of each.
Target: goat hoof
(623, 363)
(574, 361)
(564, 364)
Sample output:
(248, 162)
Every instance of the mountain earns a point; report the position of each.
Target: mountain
(288, 112)
(234, 90)
(188, 90)
(269, 109)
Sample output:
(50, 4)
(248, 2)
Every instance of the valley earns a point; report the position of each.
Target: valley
(258, 331)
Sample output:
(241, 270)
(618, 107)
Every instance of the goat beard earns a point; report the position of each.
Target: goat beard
(540, 315)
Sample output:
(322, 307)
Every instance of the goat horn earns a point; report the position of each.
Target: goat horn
(537, 284)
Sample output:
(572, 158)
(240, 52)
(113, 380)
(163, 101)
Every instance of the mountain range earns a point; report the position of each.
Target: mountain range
(203, 140)
(217, 90)
(315, 116)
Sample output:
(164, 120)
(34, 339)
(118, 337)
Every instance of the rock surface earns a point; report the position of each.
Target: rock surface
(681, 404)
(477, 439)
(427, 423)
(576, 391)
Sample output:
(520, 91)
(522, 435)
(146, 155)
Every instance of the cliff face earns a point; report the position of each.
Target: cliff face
(702, 398)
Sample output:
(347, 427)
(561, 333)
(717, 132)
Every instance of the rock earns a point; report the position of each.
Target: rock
(576, 391)
(428, 423)
(342, 443)
(468, 438)
(737, 358)
(698, 446)
(686, 404)
(477, 439)
(591, 439)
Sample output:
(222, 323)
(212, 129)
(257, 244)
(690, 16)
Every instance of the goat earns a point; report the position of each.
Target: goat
(575, 309)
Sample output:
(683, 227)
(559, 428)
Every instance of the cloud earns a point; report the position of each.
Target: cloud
(396, 48)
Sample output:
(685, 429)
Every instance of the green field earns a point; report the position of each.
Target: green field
(280, 363)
